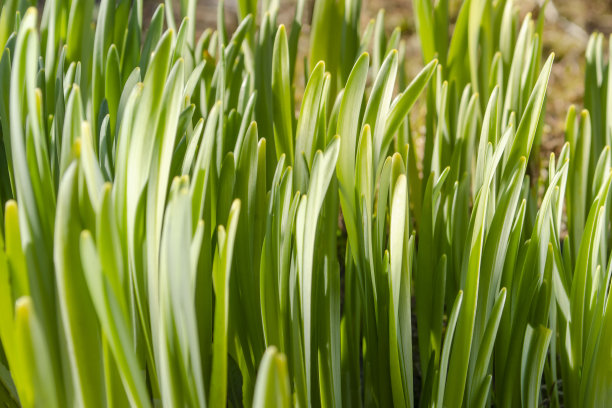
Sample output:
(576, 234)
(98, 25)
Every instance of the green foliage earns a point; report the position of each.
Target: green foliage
(183, 228)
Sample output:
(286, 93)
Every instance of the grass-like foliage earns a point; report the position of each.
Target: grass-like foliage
(182, 228)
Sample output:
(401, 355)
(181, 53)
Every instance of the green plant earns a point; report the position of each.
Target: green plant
(183, 227)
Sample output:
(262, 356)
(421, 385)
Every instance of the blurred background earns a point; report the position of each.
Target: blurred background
(568, 24)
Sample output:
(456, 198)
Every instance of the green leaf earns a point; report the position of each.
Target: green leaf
(483, 361)
(347, 128)
(272, 386)
(442, 376)
(459, 359)
(221, 278)
(526, 131)
(112, 85)
(80, 324)
(534, 357)
(404, 102)
(101, 44)
(306, 126)
(152, 40)
(107, 299)
(401, 250)
(309, 209)
(179, 356)
(378, 105)
(281, 89)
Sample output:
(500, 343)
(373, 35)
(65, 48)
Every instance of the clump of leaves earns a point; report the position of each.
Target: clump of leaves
(171, 212)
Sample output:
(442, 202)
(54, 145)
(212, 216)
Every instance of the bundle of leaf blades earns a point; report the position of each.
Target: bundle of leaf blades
(182, 228)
